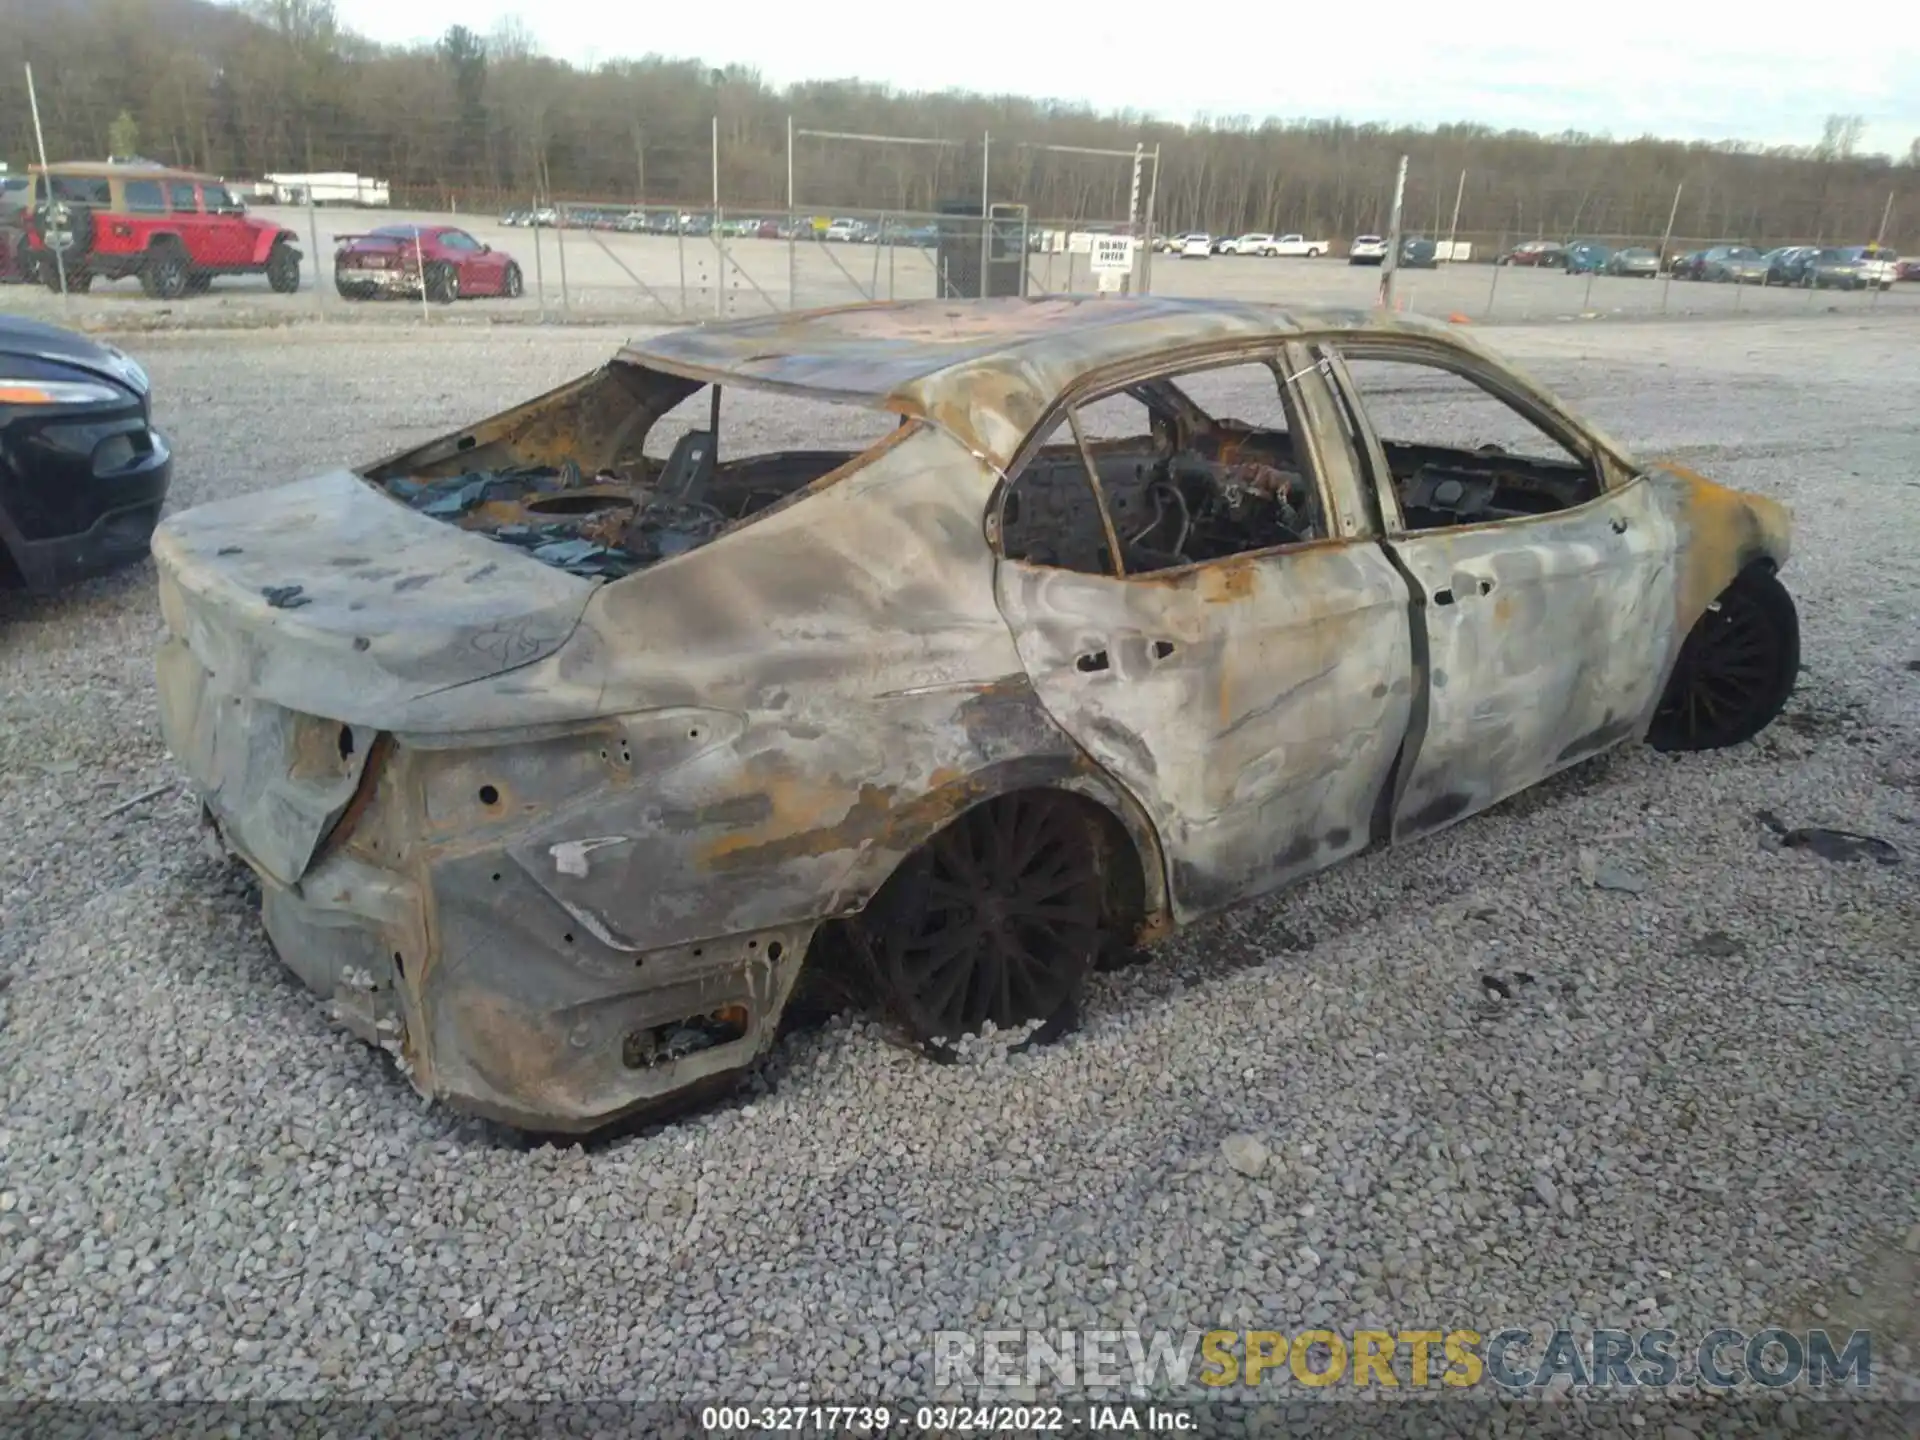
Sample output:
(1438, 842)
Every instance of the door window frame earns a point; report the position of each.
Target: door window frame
(1307, 402)
(1605, 466)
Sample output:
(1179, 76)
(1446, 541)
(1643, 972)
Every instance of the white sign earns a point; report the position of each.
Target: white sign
(1112, 252)
(1108, 282)
(1079, 242)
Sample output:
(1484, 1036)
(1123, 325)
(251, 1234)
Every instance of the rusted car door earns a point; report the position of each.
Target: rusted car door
(1544, 637)
(1252, 704)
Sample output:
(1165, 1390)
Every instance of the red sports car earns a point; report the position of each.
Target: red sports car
(400, 259)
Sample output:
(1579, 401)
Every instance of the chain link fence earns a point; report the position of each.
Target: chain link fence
(640, 260)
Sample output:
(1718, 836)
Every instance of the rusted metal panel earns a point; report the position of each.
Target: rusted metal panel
(1253, 706)
(333, 600)
(1545, 644)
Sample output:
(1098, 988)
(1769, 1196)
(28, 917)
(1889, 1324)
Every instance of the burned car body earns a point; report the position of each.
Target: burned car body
(556, 759)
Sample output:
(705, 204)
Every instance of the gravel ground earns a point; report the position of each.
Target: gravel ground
(1700, 1112)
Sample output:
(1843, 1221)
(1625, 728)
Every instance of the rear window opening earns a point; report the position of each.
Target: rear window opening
(630, 467)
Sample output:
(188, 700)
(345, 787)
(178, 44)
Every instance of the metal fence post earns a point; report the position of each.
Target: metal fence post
(719, 233)
(539, 260)
(1666, 243)
(46, 183)
(1494, 284)
(313, 234)
(1453, 230)
(560, 245)
(1392, 262)
(680, 244)
(793, 229)
(1879, 240)
(986, 156)
(1153, 191)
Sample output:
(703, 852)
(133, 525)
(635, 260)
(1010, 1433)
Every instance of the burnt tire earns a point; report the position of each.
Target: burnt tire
(999, 918)
(1735, 671)
(283, 268)
(165, 274)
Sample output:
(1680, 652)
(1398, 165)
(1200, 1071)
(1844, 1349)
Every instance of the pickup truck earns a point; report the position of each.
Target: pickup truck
(1261, 243)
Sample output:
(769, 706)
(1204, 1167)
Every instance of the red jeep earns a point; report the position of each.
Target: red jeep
(172, 228)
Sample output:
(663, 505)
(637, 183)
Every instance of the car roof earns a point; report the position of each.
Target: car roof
(986, 371)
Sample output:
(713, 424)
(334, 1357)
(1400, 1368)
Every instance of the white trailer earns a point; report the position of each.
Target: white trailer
(335, 187)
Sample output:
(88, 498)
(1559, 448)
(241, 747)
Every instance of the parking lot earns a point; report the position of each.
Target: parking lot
(1494, 1092)
(584, 275)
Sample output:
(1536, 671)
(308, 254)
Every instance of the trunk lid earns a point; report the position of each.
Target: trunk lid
(305, 620)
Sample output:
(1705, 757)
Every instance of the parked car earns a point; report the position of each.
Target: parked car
(1419, 253)
(1735, 264)
(1877, 265)
(1299, 245)
(1851, 267)
(1542, 253)
(1633, 260)
(1587, 257)
(641, 744)
(1256, 243)
(1908, 269)
(397, 260)
(83, 471)
(13, 230)
(1196, 247)
(1790, 264)
(1367, 250)
(174, 230)
(1687, 266)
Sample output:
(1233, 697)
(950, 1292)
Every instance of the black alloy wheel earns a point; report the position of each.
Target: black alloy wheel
(998, 918)
(1735, 671)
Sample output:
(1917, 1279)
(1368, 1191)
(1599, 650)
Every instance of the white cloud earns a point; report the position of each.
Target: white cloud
(1504, 62)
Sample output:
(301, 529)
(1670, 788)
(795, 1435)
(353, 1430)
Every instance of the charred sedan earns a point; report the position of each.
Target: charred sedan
(83, 473)
(559, 753)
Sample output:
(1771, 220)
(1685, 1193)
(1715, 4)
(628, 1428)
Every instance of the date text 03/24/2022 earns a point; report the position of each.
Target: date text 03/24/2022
(942, 1419)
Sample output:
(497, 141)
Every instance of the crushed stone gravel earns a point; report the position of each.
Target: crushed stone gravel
(1457, 1085)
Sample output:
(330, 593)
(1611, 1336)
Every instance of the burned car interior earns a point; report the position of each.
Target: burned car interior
(1460, 454)
(1190, 489)
(602, 488)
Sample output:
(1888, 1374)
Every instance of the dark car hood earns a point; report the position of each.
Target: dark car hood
(64, 347)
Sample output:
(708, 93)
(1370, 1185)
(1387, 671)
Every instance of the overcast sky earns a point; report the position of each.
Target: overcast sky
(1672, 70)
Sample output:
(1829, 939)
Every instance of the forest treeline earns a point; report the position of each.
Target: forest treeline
(487, 121)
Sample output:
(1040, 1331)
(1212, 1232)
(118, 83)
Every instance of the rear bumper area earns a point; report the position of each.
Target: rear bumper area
(381, 282)
(563, 1037)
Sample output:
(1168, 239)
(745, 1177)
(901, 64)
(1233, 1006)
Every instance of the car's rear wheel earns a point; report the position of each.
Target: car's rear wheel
(164, 275)
(998, 918)
(1736, 670)
(283, 269)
